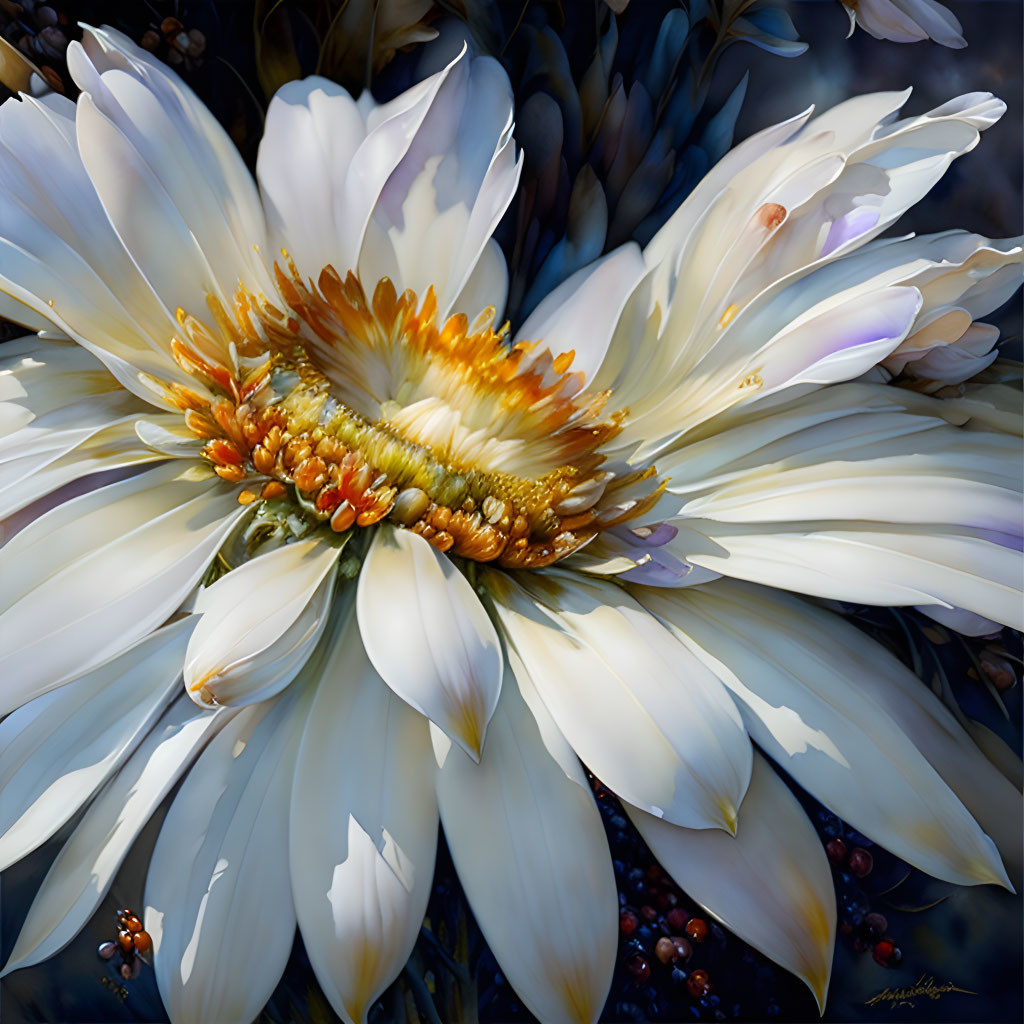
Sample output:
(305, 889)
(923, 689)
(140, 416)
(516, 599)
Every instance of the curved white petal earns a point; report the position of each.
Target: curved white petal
(58, 749)
(89, 578)
(112, 447)
(531, 853)
(62, 416)
(452, 186)
(487, 285)
(830, 456)
(798, 680)
(218, 904)
(39, 376)
(313, 130)
(80, 877)
(61, 256)
(147, 143)
(650, 721)
(363, 827)
(868, 563)
(771, 884)
(260, 623)
(748, 288)
(580, 315)
(428, 635)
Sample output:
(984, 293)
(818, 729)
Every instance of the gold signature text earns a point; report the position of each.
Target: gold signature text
(924, 988)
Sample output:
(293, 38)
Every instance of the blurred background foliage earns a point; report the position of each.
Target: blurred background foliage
(621, 108)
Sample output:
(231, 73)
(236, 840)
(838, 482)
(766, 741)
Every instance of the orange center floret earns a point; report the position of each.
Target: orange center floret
(366, 410)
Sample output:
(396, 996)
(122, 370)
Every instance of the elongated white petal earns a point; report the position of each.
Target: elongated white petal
(39, 376)
(798, 682)
(770, 884)
(750, 289)
(428, 635)
(889, 466)
(866, 562)
(218, 878)
(452, 186)
(531, 853)
(581, 313)
(652, 723)
(29, 478)
(58, 749)
(144, 137)
(82, 874)
(312, 132)
(61, 256)
(260, 623)
(363, 827)
(88, 579)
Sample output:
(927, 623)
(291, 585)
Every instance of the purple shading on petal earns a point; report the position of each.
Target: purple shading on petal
(848, 227)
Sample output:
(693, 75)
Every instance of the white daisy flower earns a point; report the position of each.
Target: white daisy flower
(906, 21)
(411, 574)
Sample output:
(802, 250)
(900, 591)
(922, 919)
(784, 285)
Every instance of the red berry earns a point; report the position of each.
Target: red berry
(697, 983)
(676, 919)
(142, 941)
(682, 947)
(124, 940)
(126, 971)
(628, 922)
(697, 929)
(861, 862)
(639, 968)
(836, 851)
(655, 873)
(666, 901)
(133, 924)
(665, 949)
(648, 913)
(883, 952)
(876, 925)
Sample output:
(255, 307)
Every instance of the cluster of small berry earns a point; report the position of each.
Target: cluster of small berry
(852, 865)
(132, 944)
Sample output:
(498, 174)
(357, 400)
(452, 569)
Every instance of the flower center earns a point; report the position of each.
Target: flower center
(364, 410)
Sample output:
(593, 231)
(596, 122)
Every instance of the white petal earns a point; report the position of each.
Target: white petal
(428, 635)
(652, 723)
(97, 573)
(218, 904)
(109, 448)
(866, 563)
(581, 313)
(260, 623)
(797, 673)
(313, 130)
(770, 884)
(531, 853)
(84, 869)
(39, 376)
(363, 827)
(451, 187)
(61, 256)
(58, 749)
(144, 135)
(889, 465)
(487, 285)
(748, 255)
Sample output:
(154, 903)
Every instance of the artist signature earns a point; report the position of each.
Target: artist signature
(924, 988)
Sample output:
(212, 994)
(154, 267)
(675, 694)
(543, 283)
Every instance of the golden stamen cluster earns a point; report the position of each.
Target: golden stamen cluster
(273, 411)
